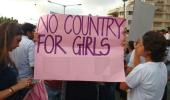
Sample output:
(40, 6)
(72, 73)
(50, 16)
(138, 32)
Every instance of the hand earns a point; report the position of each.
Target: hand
(139, 51)
(139, 48)
(35, 37)
(124, 42)
(27, 82)
(128, 70)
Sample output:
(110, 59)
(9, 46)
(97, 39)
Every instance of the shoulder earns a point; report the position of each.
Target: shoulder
(140, 67)
(151, 68)
(143, 68)
(138, 70)
(155, 65)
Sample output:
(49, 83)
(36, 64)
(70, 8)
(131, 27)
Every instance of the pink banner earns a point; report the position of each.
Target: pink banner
(81, 48)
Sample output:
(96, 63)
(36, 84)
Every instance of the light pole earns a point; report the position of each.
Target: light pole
(64, 6)
(124, 7)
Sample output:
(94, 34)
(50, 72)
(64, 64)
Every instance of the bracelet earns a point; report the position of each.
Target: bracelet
(11, 90)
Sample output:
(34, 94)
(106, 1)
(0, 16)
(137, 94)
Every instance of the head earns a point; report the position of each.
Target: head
(29, 30)
(168, 28)
(13, 33)
(10, 36)
(154, 45)
(163, 32)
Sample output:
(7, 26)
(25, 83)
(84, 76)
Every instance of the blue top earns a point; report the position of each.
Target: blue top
(8, 78)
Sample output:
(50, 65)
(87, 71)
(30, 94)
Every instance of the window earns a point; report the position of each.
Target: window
(168, 25)
(129, 22)
(157, 24)
(167, 17)
(130, 12)
(158, 15)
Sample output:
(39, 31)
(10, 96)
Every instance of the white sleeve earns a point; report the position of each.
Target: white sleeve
(31, 54)
(131, 60)
(168, 54)
(134, 78)
(167, 36)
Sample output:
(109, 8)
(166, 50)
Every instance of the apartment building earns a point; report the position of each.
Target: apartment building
(162, 13)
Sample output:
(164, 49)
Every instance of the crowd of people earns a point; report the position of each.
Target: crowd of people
(147, 68)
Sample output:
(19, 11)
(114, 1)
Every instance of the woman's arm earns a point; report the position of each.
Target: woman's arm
(13, 89)
(138, 52)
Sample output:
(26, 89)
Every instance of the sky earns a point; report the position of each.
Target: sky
(31, 10)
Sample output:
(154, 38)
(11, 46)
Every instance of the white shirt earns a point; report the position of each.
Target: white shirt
(23, 57)
(167, 36)
(168, 59)
(147, 81)
(131, 60)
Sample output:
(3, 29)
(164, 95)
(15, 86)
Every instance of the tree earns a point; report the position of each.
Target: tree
(5, 19)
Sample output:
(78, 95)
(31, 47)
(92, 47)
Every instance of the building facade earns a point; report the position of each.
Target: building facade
(161, 18)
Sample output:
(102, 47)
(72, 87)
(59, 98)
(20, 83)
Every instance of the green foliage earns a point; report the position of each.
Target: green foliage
(124, 0)
(5, 19)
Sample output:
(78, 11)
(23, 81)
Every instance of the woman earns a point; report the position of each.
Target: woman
(10, 89)
(147, 81)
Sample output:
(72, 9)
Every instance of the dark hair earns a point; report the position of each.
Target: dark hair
(156, 44)
(131, 44)
(28, 27)
(12, 30)
(168, 42)
(162, 30)
(8, 31)
(3, 26)
(168, 28)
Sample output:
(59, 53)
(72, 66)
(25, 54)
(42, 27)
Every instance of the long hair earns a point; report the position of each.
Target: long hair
(3, 42)
(7, 32)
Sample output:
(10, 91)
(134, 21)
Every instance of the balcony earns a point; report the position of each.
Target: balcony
(159, 10)
(158, 19)
(161, 20)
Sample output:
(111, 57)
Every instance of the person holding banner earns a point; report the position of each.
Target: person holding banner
(10, 88)
(147, 81)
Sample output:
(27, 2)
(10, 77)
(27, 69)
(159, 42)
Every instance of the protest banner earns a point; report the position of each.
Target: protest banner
(81, 48)
(142, 20)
